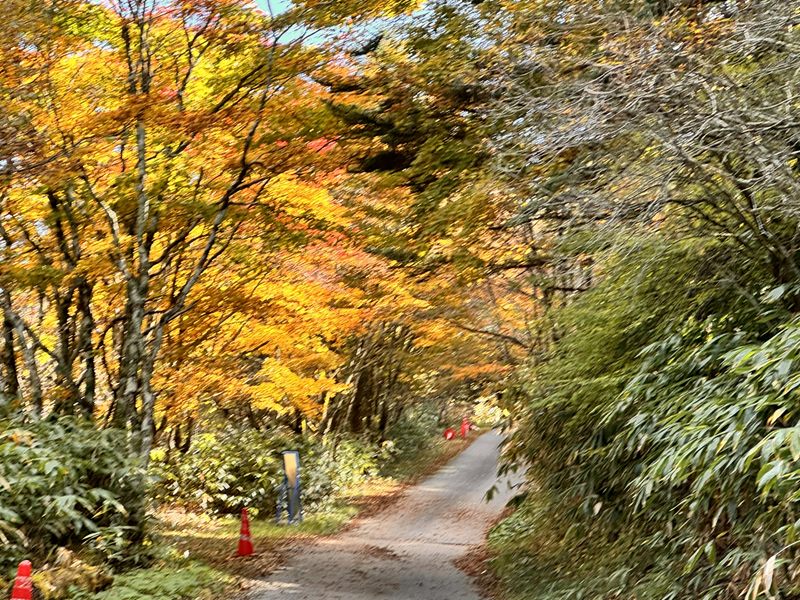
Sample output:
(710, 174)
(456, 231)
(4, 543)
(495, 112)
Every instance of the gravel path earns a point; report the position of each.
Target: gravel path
(407, 551)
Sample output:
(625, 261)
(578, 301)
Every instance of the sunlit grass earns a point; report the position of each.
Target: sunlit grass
(228, 527)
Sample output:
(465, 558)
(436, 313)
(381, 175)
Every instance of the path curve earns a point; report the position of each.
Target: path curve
(407, 551)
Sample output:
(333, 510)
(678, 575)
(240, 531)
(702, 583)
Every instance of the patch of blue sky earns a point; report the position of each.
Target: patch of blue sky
(274, 7)
(432, 16)
(295, 33)
(358, 34)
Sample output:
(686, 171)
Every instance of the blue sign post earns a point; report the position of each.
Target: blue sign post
(289, 495)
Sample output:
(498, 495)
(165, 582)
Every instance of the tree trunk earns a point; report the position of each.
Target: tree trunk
(125, 412)
(9, 362)
(86, 349)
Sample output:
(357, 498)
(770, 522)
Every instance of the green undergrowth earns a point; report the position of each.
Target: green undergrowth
(233, 468)
(662, 435)
(188, 581)
(66, 486)
(171, 576)
(201, 494)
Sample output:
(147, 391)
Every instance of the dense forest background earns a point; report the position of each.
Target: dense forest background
(222, 222)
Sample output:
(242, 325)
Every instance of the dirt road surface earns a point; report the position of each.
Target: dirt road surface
(405, 552)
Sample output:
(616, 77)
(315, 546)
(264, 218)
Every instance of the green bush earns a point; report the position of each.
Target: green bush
(417, 424)
(226, 471)
(64, 483)
(660, 434)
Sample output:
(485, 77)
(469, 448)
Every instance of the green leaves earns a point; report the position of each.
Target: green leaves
(768, 476)
(61, 481)
(671, 404)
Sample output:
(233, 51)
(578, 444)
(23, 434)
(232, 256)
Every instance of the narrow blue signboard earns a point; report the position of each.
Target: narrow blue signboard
(289, 495)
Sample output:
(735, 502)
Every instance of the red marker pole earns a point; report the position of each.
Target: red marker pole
(23, 588)
(245, 544)
(464, 428)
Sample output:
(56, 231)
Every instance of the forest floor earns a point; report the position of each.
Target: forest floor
(408, 551)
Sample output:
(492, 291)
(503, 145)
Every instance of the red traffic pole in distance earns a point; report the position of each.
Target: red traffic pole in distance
(245, 544)
(23, 589)
(464, 428)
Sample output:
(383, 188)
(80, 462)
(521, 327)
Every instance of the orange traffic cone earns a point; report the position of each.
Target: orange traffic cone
(245, 545)
(23, 589)
(464, 428)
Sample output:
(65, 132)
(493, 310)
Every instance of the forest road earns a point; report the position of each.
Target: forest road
(407, 551)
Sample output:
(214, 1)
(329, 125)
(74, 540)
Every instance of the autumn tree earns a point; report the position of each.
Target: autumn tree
(414, 106)
(153, 152)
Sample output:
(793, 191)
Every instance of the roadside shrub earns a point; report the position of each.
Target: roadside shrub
(225, 471)
(68, 574)
(63, 483)
(350, 461)
(416, 425)
(659, 439)
(228, 470)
